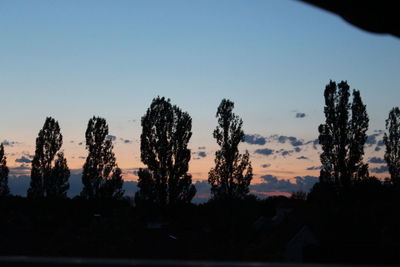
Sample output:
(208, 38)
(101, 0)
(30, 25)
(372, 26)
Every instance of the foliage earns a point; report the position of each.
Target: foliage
(101, 177)
(49, 177)
(343, 136)
(392, 143)
(112, 188)
(4, 190)
(232, 174)
(58, 185)
(166, 132)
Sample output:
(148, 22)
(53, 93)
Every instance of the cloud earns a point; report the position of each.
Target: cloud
(282, 139)
(199, 154)
(376, 160)
(254, 139)
(306, 182)
(202, 154)
(133, 171)
(22, 169)
(291, 139)
(302, 157)
(23, 159)
(264, 151)
(297, 143)
(265, 165)
(300, 115)
(10, 143)
(285, 153)
(381, 169)
(314, 168)
(268, 178)
(111, 137)
(273, 184)
(372, 139)
(314, 143)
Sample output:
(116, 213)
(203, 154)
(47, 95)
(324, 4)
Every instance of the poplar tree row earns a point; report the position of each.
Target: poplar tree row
(343, 136)
(166, 132)
(101, 177)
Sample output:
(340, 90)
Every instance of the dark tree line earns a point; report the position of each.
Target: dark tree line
(101, 176)
(4, 190)
(166, 132)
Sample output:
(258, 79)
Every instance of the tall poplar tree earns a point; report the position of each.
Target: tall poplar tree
(343, 136)
(4, 190)
(166, 131)
(232, 174)
(392, 142)
(101, 176)
(49, 177)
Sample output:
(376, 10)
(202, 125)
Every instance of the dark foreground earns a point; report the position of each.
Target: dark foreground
(60, 262)
(360, 225)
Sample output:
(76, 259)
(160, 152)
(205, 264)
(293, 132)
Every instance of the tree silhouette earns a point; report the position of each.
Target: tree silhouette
(232, 174)
(101, 177)
(112, 188)
(166, 132)
(49, 178)
(4, 190)
(392, 142)
(343, 136)
(147, 187)
(58, 185)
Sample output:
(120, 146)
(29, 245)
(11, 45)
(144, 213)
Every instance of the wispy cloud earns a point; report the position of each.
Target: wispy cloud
(314, 168)
(376, 160)
(23, 159)
(10, 143)
(302, 157)
(381, 169)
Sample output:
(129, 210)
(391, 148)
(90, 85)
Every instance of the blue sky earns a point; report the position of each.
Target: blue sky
(75, 59)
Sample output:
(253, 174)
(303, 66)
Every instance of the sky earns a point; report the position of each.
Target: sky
(75, 59)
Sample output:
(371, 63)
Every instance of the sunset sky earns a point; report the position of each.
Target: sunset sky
(75, 59)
